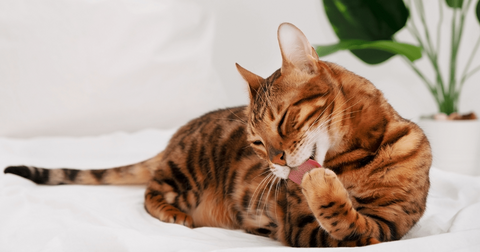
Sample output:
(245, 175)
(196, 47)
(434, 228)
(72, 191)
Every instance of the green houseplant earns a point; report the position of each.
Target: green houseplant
(367, 29)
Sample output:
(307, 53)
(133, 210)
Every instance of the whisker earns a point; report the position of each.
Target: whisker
(276, 197)
(254, 192)
(256, 189)
(268, 193)
(263, 192)
(266, 170)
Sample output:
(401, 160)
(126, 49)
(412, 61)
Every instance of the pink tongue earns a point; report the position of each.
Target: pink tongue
(297, 175)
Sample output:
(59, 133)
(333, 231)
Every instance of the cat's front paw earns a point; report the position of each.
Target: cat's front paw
(328, 200)
(321, 183)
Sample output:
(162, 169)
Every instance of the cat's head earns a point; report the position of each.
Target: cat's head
(293, 115)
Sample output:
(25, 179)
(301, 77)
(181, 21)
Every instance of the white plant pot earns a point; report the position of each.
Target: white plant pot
(455, 144)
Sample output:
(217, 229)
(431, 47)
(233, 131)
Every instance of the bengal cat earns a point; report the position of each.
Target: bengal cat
(229, 168)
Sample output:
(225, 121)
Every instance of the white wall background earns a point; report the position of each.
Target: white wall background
(77, 67)
(247, 35)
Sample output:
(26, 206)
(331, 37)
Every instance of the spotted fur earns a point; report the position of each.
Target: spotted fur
(228, 168)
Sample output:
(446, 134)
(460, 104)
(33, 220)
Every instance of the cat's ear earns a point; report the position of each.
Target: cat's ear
(254, 81)
(296, 50)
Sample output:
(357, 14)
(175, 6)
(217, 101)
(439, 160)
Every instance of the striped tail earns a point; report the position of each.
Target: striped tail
(135, 174)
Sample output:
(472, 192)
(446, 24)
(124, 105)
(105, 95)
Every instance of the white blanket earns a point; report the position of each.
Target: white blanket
(112, 218)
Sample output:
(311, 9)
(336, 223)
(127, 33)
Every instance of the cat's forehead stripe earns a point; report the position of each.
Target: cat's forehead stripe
(263, 101)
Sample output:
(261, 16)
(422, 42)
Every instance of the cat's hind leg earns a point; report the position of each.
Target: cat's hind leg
(159, 198)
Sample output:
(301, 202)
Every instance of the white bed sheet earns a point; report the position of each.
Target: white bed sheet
(112, 218)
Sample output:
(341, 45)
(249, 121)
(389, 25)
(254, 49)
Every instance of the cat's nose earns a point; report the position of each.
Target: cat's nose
(277, 156)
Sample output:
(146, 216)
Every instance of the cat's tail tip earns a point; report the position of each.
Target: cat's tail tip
(20, 170)
(37, 175)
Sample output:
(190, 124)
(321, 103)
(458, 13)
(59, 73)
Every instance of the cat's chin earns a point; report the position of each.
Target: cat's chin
(281, 171)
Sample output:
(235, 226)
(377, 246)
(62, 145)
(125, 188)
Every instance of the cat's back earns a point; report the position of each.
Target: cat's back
(211, 128)
(210, 147)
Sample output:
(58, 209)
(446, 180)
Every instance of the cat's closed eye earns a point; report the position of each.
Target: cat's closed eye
(257, 142)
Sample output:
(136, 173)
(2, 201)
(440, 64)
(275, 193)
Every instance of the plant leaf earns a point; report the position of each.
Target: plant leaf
(477, 11)
(410, 51)
(367, 20)
(454, 3)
